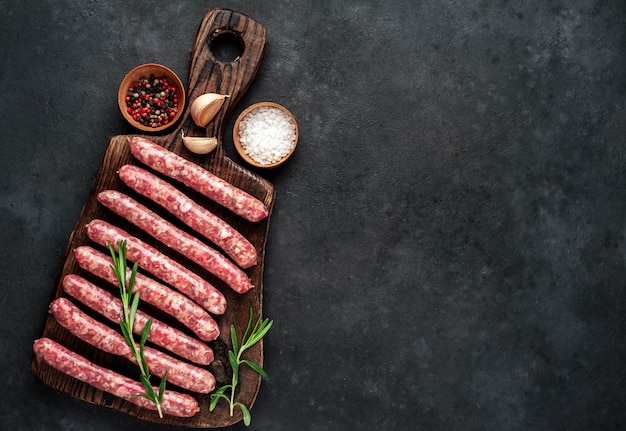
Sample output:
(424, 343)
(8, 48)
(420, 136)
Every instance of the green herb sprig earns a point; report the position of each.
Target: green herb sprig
(251, 336)
(130, 303)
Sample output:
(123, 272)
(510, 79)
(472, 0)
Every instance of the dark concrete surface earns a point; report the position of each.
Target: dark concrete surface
(447, 247)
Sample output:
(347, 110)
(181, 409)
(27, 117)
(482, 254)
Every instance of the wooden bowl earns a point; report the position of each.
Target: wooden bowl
(147, 71)
(241, 147)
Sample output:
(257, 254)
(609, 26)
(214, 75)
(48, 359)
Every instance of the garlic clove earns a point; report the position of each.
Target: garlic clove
(199, 144)
(205, 107)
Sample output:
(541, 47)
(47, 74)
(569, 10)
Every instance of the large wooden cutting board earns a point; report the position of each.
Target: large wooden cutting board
(206, 74)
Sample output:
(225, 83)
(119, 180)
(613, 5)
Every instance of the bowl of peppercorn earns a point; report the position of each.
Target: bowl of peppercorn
(151, 97)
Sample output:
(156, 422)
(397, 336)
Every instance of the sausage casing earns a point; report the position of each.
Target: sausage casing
(161, 334)
(177, 239)
(79, 367)
(105, 338)
(173, 303)
(189, 212)
(197, 178)
(159, 265)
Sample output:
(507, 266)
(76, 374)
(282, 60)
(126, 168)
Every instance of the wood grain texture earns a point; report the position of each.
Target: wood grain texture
(206, 74)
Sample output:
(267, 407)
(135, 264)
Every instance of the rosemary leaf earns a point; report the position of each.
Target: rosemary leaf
(245, 334)
(133, 309)
(146, 331)
(145, 380)
(259, 333)
(125, 333)
(233, 339)
(255, 367)
(234, 364)
(245, 413)
(162, 387)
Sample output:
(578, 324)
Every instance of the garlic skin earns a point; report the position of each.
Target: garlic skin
(199, 144)
(205, 107)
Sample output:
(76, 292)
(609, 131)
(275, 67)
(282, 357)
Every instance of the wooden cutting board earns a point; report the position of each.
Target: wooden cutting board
(206, 74)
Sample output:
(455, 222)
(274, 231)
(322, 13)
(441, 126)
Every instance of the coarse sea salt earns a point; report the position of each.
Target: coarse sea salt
(267, 134)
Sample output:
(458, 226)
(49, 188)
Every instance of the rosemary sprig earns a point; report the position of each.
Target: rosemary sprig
(251, 336)
(130, 303)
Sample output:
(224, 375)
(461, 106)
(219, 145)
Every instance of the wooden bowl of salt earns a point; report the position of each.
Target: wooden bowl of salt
(265, 135)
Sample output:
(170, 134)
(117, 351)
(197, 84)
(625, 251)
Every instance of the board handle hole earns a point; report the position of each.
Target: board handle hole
(226, 46)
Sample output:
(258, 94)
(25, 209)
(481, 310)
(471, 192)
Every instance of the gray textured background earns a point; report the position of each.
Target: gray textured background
(447, 247)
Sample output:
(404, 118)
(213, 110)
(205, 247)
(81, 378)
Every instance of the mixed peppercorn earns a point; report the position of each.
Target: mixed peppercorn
(152, 101)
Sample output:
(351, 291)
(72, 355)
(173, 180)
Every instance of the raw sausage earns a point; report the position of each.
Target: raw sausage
(104, 338)
(74, 365)
(179, 240)
(173, 303)
(159, 265)
(197, 178)
(189, 212)
(161, 334)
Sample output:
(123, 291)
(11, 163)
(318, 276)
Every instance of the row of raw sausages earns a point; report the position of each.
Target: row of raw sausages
(194, 298)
